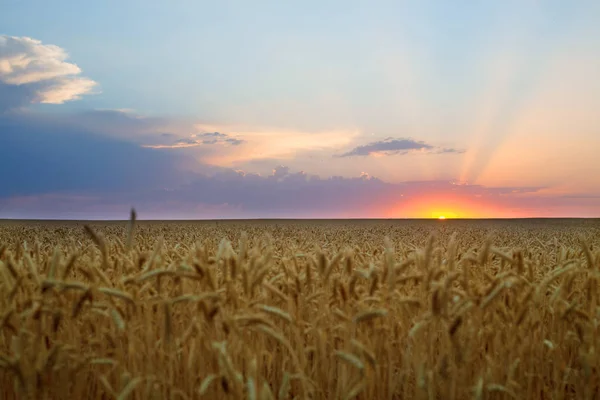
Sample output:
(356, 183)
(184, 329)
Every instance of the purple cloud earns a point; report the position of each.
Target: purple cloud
(391, 146)
(49, 156)
(195, 140)
(225, 193)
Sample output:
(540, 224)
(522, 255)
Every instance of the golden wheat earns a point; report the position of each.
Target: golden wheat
(300, 309)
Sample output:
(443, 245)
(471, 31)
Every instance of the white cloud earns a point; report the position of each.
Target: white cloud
(66, 90)
(40, 71)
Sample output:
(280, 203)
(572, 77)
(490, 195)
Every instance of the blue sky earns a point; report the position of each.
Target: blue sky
(204, 57)
(485, 93)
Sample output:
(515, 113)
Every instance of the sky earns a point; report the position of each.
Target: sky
(314, 109)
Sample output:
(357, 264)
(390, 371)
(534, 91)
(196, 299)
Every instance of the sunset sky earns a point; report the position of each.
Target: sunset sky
(311, 109)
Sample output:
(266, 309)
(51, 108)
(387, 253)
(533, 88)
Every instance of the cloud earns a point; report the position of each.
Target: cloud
(91, 165)
(196, 140)
(40, 155)
(33, 72)
(12, 96)
(122, 125)
(226, 193)
(285, 193)
(391, 146)
(61, 166)
(244, 145)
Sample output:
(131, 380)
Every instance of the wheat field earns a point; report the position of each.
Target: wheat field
(300, 309)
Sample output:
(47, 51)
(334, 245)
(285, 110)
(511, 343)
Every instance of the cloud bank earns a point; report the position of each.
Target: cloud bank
(61, 167)
(40, 155)
(227, 193)
(33, 72)
(65, 166)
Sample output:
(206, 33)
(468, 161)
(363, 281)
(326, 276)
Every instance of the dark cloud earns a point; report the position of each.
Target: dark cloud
(14, 97)
(186, 141)
(219, 138)
(281, 171)
(37, 157)
(120, 124)
(450, 150)
(234, 142)
(391, 146)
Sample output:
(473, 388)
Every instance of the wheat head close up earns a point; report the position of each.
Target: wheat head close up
(300, 310)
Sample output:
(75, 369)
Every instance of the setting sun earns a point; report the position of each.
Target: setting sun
(444, 214)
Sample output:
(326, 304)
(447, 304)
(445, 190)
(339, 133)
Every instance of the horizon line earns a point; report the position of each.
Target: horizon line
(295, 219)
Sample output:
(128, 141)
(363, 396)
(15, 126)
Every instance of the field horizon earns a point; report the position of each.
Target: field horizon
(303, 219)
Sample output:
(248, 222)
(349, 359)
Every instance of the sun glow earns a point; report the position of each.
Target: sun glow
(448, 205)
(443, 215)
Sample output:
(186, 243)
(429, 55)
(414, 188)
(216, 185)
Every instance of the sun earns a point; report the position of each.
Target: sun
(443, 214)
